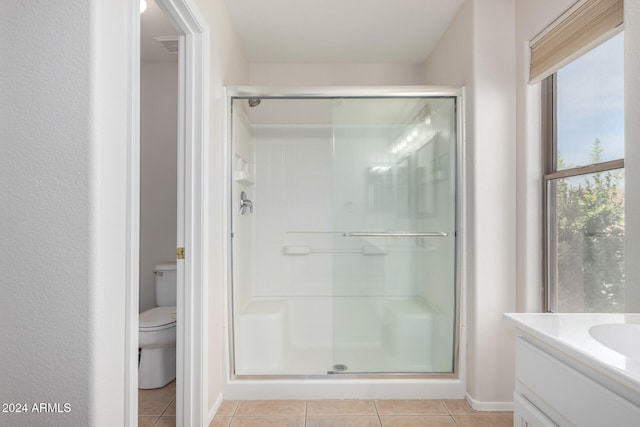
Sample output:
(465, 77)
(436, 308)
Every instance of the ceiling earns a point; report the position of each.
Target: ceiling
(153, 23)
(322, 31)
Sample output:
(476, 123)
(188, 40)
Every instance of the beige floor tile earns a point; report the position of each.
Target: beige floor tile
(494, 420)
(165, 422)
(273, 421)
(411, 407)
(343, 421)
(220, 421)
(341, 407)
(146, 421)
(324, 413)
(171, 410)
(417, 421)
(168, 390)
(459, 407)
(156, 401)
(253, 408)
(227, 408)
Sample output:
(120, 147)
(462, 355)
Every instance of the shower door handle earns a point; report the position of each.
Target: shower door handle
(394, 234)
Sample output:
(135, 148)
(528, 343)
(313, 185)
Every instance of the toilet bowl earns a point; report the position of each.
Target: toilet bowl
(157, 342)
(157, 333)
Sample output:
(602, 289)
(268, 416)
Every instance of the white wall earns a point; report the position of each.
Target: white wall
(478, 51)
(532, 16)
(335, 74)
(65, 109)
(227, 67)
(46, 199)
(158, 170)
(494, 192)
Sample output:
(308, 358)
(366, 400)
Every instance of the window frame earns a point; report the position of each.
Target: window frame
(549, 145)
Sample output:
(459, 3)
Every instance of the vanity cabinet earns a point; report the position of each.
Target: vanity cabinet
(554, 389)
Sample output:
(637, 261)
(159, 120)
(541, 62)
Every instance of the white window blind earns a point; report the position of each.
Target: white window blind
(585, 25)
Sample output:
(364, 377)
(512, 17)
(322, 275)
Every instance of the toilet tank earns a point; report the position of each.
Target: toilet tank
(166, 291)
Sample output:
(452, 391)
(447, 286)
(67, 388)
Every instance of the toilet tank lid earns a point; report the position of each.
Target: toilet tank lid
(157, 316)
(165, 267)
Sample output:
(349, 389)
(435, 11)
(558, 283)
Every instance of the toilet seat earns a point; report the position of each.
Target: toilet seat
(157, 319)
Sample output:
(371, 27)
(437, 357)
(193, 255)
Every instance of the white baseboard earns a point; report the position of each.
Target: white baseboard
(489, 406)
(214, 409)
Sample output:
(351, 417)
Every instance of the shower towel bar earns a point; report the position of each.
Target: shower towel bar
(395, 234)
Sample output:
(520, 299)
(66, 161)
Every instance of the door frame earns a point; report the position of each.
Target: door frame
(191, 325)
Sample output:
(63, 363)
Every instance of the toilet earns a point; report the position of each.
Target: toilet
(157, 333)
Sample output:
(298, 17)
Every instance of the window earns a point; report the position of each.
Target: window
(583, 185)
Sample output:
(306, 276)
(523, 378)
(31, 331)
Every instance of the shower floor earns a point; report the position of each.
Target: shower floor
(359, 358)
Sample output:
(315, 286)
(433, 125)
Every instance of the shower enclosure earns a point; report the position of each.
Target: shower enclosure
(343, 232)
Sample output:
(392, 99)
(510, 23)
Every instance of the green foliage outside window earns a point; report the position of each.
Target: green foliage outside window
(590, 240)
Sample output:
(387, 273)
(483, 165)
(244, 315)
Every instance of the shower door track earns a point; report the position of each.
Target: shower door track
(329, 92)
(349, 376)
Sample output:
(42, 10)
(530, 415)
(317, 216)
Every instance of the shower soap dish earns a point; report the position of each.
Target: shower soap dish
(296, 250)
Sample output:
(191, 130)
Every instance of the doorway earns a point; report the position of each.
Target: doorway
(191, 131)
(159, 42)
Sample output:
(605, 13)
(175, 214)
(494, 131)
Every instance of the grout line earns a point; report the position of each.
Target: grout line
(446, 408)
(165, 409)
(375, 405)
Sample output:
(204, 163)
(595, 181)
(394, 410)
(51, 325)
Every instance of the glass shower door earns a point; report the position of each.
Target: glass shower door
(394, 223)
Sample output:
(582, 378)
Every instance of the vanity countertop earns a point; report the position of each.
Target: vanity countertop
(569, 334)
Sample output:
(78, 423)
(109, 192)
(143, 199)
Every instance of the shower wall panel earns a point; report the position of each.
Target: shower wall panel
(293, 206)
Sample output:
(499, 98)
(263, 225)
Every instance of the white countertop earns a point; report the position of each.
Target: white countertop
(569, 333)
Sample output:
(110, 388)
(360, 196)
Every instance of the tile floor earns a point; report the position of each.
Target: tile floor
(356, 413)
(157, 408)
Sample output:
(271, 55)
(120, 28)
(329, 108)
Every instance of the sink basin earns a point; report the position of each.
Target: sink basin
(623, 338)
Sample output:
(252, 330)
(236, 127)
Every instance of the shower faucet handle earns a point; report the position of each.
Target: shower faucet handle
(245, 204)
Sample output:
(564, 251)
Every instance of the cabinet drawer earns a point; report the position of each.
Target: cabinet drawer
(527, 415)
(558, 389)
